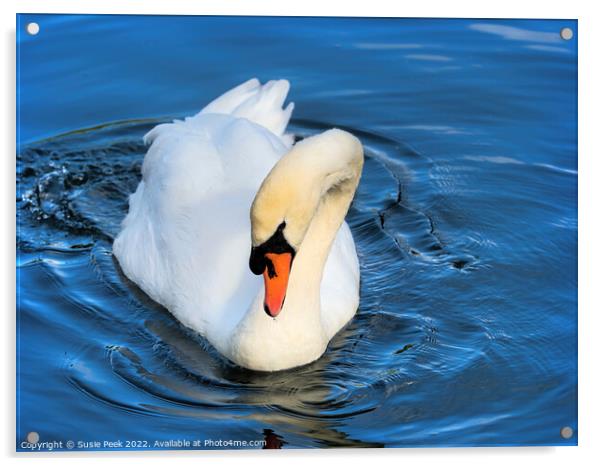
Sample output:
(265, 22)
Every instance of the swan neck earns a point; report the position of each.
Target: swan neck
(337, 189)
(309, 192)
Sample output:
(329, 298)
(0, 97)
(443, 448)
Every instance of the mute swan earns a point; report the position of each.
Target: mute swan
(188, 234)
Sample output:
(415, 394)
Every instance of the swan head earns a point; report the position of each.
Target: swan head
(279, 220)
(326, 165)
(274, 259)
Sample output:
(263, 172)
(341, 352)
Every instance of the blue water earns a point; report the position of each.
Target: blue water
(465, 223)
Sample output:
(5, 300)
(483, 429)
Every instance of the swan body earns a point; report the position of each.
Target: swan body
(226, 184)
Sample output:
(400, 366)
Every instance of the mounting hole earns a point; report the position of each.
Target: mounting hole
(33, 437)
(566, 33)
(566, 432)
(32, 28)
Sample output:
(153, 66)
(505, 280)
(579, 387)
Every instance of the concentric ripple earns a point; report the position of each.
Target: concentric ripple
(424, 341)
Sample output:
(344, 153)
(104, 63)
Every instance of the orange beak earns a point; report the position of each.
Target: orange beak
(275, 278)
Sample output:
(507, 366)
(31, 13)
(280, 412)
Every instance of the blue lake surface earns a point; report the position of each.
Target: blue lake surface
(465, 224)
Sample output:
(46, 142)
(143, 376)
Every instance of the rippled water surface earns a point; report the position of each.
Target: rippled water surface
(465, 223)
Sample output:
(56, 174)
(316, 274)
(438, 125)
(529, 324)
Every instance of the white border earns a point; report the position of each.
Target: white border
(590, 306)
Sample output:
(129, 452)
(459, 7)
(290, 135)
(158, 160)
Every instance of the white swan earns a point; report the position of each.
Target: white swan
(188, 234)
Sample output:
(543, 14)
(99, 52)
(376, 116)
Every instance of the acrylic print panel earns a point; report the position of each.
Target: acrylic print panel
(408, 280)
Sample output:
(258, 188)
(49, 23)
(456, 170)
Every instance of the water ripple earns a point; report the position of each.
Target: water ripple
(423, 327)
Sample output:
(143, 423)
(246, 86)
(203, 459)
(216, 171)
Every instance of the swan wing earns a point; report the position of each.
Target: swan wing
(186, 238)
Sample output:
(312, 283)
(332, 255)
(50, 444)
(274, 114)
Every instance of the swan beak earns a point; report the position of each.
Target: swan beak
(275, 276)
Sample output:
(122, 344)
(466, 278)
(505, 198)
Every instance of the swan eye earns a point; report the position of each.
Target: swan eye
(257, 262)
